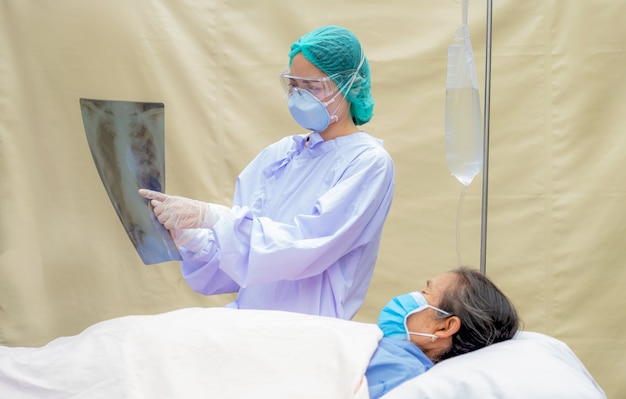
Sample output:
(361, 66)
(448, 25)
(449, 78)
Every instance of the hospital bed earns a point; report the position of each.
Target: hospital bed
(228, 353)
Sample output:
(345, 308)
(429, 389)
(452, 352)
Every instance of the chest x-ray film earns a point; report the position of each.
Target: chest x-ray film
(126, 140)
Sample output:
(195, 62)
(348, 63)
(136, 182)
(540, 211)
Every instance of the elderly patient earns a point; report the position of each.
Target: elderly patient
(455, 313)
(203, 352)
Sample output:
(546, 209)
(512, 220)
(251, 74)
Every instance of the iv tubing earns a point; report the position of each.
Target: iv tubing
(458, 226)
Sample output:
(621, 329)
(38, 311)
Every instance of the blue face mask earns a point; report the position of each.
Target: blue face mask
(308, 111)
(393, 317)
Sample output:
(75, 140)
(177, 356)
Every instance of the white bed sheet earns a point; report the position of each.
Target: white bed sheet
(198, 353)
(532, 365)
(227, 353)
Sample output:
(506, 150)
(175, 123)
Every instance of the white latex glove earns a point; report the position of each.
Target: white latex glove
(183, 213)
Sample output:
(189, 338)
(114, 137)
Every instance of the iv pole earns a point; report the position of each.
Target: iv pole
(483, 230)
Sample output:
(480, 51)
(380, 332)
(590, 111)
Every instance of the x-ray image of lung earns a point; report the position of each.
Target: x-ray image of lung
(126, 140)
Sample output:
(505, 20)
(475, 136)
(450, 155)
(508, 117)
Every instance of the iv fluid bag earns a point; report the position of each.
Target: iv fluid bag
(463, 126)
(464, 146)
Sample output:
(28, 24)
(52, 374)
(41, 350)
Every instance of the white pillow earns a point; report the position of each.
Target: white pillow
(532, 365)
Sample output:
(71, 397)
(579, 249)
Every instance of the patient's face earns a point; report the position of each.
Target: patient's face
(436, 286)
(427, 321)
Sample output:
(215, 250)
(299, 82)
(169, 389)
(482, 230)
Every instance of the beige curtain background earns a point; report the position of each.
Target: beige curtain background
(557, 190)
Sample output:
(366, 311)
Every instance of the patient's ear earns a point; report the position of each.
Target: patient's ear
(448, 327)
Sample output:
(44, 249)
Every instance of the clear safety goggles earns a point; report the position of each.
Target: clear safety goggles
(319, 87)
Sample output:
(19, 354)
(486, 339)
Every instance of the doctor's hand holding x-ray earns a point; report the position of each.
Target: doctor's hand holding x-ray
(180, 214)
(183, 213)
(304, 227)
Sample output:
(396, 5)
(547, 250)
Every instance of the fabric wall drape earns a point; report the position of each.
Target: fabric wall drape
(557, 194)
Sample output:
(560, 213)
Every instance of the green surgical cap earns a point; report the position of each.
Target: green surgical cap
(336, 50)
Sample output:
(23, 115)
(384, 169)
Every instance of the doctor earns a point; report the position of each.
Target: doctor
(303, 231)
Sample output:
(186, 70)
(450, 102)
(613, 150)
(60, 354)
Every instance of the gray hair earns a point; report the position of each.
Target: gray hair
(487, 315)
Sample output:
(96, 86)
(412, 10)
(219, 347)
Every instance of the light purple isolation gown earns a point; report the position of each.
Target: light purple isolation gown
(304, 230)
